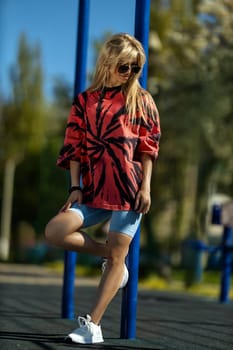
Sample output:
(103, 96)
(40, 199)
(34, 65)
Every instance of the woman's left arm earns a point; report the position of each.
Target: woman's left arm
(143, 198)
(147, 152)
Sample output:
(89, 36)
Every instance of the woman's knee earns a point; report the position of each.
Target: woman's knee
(117, 256)
(55, 231)
(118, 247)
(60, 226)
(51, 231)
(115, 260)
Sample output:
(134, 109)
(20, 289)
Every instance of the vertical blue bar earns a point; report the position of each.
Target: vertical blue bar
(79, 85)
(129, 297)
(68, 285)
(82, 46)
(141, 32)
(227, 243)
(216, 214)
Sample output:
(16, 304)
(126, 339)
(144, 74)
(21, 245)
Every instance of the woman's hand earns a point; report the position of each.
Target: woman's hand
(143, 202)
(75, 196)
(143, 198)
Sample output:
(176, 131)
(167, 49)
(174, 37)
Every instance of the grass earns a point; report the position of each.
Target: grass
(209, 286)
(80, 270)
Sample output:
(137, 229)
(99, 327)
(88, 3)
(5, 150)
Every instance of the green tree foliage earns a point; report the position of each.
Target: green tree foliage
(23, 116)
(190, 70)
(22, 129)
(54, 182)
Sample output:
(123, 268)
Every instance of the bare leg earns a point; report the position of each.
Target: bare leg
(64, 231)
(118, 245)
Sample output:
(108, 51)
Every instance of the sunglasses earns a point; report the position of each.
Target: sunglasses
(124, 68)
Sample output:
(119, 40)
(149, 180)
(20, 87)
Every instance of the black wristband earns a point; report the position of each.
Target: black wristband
(75, 188)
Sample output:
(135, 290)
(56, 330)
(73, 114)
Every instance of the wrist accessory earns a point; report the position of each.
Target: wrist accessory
(75, 188)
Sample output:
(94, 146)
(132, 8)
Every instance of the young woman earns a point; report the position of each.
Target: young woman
(112, 138)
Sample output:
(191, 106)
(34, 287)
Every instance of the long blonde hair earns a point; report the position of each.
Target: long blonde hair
(120, 49)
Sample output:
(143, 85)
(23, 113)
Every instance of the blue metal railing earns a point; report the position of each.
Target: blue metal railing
(226, 248)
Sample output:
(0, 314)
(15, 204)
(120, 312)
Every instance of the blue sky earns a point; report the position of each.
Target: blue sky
(53, 24)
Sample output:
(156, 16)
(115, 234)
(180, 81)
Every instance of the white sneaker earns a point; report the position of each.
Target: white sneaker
(125, 276)
(87, 332)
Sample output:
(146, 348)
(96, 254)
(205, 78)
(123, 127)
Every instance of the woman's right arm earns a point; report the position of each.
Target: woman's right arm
(75, 173)
(75, 196)
(74, 134)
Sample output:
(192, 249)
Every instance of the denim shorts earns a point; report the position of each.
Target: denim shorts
(123, 221)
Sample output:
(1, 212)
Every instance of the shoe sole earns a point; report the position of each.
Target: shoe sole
(69, 340)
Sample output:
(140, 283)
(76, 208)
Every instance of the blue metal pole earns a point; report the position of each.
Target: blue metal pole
(197, 263)
(79, 85)
(141, 32)
(68, 285)
(216, 214)
(82, 46)
(129, 297)
(227, 244)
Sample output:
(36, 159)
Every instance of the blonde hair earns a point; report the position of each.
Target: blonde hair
(120, 49)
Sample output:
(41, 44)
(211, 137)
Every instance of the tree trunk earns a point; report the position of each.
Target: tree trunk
(7, 199)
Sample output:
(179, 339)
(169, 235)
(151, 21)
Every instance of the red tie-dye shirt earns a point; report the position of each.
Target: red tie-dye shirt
(100, 136)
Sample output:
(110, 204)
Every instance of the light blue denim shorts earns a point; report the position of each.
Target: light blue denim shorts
(123, 221)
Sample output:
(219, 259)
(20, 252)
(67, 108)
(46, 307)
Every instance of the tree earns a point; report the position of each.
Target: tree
(53, 182)
(22, 127)
(190, 75)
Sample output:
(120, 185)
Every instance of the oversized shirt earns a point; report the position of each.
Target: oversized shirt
(108, 146)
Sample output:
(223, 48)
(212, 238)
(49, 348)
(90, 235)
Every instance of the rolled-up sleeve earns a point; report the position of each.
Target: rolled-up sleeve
(71, 149)
(149, 132)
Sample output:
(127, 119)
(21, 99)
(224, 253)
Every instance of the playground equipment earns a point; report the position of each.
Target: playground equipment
(129, 296)
(226, 249)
